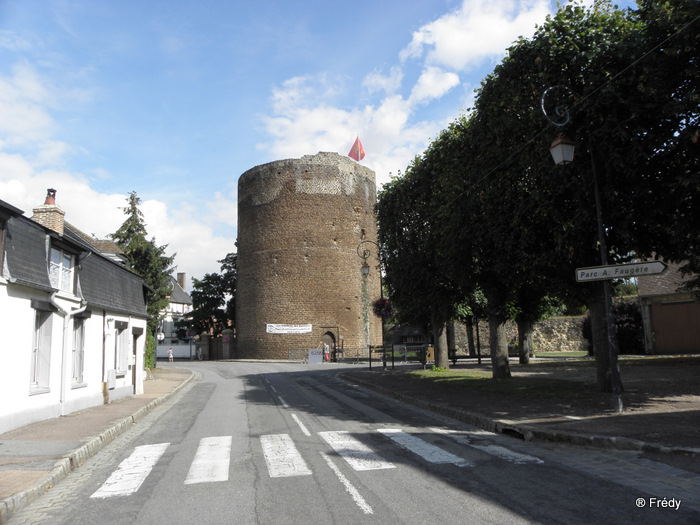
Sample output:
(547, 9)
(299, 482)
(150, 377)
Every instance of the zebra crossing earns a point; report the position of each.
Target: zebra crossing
(211, 461)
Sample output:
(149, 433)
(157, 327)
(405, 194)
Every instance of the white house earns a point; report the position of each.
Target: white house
(179, 306)
(73, 321)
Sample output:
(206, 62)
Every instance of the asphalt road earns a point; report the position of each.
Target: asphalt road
(269, 443)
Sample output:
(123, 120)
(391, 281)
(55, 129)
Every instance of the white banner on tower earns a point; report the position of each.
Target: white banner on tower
(288, 328)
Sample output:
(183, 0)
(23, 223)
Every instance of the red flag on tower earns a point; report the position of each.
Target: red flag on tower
(357, 152)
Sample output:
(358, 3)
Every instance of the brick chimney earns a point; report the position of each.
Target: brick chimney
(182, 279)
(49, 214)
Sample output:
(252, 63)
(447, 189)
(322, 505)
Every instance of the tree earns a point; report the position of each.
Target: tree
(150, 351)
(528, 219)
(146, 259)
(667, 95)
(410, 251)
(214, 299)
(494, 213)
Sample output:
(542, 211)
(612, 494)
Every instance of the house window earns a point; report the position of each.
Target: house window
(41, 352)
(121, 347)
(78, 349)
(61, 270)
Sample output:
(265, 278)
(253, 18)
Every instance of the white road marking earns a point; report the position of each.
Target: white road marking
(132, 472)
(211, 462)
(359, 500)
(282, 402)
(282, 457)
(427, 451)
(494, 450)
(301, 425)
(358, 455)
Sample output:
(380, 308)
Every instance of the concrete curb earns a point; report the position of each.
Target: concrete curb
(524, 431)
(74, 459)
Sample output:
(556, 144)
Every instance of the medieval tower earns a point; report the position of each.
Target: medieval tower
(301, 227)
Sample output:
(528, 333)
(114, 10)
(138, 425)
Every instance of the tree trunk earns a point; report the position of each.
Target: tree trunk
(440, 341)
(470, 336)
(600, 340)
(524, 341)
(451, 340)
(499, 346)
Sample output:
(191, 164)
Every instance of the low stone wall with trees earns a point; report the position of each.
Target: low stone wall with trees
(560, 334)
(555, 334)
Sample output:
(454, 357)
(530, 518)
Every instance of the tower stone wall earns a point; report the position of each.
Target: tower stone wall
(300, 222)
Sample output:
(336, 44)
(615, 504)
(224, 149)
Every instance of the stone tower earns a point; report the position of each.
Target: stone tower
(301, 223)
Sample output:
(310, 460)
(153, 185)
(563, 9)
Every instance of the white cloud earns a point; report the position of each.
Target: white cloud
(12, 41)
(197, 249)
(389, 84)
(24, 102)
(30, 157)
(433, 83)
(304, 121)
(480, 29)
(222, 208)
(305, 117)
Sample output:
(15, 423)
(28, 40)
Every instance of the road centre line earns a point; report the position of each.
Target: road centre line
(211, 461)
(359, 500)
(301, 425)
(358, 455)
(132, 472)
(282, 402)
(427, 451)
(493, 450)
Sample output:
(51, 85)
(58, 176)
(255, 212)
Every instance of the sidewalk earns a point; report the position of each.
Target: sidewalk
(35, 457)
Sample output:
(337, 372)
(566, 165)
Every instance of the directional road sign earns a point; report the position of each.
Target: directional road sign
(620, 271)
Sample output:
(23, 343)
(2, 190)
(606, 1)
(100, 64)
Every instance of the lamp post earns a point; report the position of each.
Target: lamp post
(562, 150)
(364, 254)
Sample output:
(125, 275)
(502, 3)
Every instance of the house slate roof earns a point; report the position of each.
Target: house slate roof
(177, 294)
(106, 284)
(103, 283)
(26, 254)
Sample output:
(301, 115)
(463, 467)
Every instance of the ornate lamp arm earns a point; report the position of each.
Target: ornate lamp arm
(561, 111)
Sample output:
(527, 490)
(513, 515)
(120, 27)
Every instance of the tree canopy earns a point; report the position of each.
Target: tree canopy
(484, 208)
(214, 299)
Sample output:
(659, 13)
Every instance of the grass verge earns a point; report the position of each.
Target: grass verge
(459, 381)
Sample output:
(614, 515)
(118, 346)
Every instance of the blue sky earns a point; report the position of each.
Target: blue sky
(176, 99)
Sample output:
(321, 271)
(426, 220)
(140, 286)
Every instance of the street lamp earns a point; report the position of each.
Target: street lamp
(562, 150)
(365, 268)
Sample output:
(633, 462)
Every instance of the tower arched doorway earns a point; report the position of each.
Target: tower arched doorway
(328, 340)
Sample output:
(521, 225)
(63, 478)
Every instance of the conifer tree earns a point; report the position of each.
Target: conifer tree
(145, 258)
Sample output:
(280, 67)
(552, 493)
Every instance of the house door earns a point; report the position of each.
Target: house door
(676, 328)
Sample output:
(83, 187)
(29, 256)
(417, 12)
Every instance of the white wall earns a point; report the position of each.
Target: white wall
(180, 351)
(62, 396)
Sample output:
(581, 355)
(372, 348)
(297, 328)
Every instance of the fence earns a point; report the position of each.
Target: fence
(372, 356)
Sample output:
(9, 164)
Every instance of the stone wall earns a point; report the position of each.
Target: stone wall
(300, 225)
(559, 334)
(556, 334)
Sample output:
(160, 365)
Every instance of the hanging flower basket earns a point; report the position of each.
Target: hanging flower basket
(382, 308)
